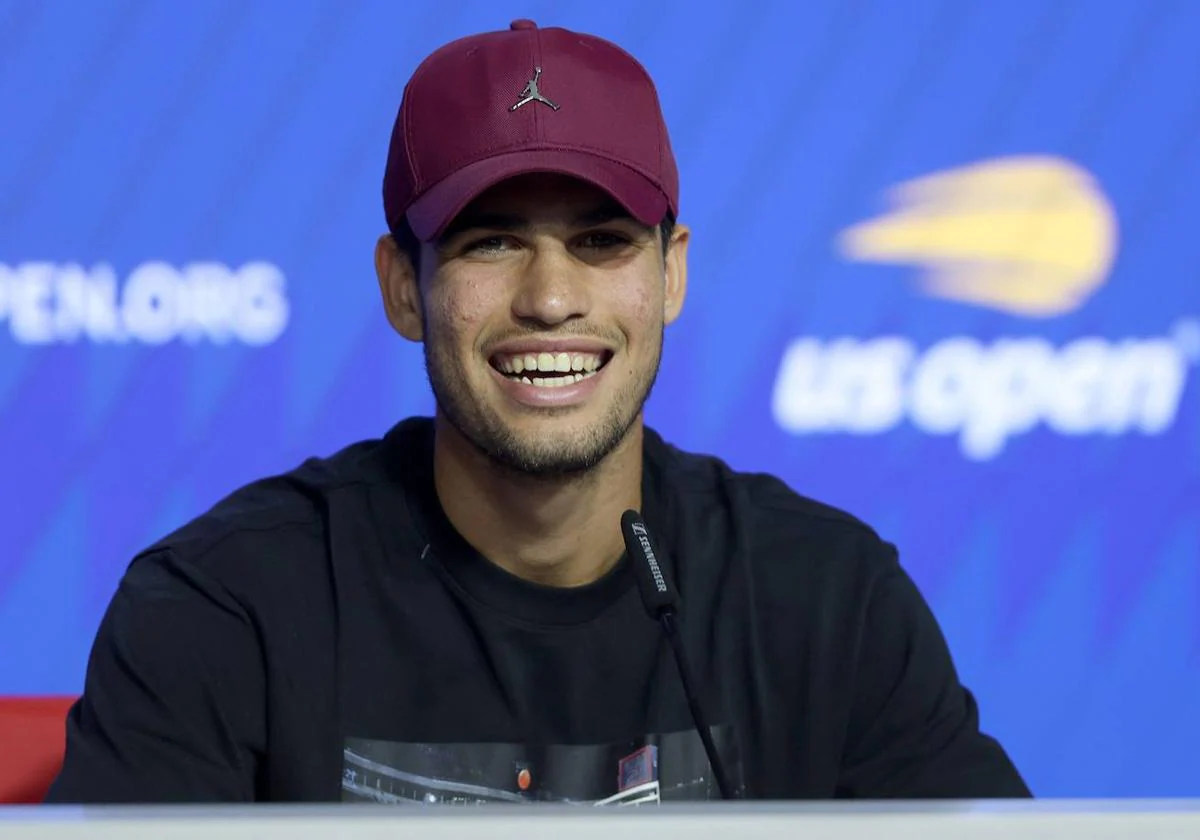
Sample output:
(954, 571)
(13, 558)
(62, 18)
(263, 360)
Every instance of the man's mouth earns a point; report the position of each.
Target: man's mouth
(549, 370)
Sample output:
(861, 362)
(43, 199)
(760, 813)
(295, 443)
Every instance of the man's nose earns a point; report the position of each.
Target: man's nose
(553, 287)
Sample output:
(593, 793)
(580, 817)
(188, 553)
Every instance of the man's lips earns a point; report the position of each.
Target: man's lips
(543, 389)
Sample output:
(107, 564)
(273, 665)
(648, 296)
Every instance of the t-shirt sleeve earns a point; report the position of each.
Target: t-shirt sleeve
(173, 702)
(914, 728)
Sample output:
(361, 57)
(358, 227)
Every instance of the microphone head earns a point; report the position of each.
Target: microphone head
(658, 596)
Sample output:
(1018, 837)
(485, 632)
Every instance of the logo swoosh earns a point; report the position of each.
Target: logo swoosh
(1031, 236)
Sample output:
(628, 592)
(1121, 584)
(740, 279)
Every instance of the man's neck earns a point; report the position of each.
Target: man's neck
(556, 532)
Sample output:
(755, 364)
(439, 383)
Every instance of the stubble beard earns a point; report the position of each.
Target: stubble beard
(570, 455)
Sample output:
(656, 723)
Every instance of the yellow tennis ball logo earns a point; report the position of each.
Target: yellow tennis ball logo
(1030, 236)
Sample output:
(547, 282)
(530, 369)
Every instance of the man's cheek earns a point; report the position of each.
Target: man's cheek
(467, 310)
(642, 306)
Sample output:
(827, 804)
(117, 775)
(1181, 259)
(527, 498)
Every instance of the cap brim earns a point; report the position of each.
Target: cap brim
(430, 214)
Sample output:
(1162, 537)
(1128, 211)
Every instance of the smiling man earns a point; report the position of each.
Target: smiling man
(448, 614)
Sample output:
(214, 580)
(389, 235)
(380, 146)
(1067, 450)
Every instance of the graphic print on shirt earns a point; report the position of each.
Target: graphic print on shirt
(647, 770)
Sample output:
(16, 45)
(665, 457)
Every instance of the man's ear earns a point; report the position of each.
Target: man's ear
(676, 273)
(399, 287)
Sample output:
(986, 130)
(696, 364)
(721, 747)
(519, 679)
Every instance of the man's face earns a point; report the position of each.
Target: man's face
(543, 310)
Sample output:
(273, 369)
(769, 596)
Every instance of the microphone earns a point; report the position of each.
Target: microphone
(660, 600)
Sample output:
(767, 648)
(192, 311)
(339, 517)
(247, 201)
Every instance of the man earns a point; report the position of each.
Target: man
(448, 614)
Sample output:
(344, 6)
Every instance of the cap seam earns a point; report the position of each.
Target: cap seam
(557, 147)
(661, 128)
(408, 153)
(539, 129)
(523, 145)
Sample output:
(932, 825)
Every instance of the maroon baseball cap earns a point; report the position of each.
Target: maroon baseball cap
(491, 106)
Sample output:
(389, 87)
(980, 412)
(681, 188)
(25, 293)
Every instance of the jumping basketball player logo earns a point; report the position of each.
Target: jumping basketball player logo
(532, 94)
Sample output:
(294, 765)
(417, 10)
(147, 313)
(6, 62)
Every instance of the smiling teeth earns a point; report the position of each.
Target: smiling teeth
(549, 363)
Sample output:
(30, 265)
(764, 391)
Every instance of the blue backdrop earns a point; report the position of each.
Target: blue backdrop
(944, 275)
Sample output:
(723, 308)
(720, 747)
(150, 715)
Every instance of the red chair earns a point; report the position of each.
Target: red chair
(32, 742)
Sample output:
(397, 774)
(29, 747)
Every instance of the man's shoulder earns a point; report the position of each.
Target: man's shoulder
(706, 478)
(762, 509)
(283, 517)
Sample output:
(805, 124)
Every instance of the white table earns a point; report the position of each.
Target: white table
(1041, 820)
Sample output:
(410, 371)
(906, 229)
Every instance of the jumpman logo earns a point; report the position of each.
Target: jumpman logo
(532, 94)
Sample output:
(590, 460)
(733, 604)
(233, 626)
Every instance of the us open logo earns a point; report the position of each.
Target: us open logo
(1032, 238)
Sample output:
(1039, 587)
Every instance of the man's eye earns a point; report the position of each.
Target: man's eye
(604, 239)
(488, 244)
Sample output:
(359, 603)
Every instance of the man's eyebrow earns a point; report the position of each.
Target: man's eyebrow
(603, 214)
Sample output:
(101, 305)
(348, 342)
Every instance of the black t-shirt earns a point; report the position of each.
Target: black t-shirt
(327, 635)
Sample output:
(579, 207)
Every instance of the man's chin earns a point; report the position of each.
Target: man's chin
(544, 461)
(556, 446)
